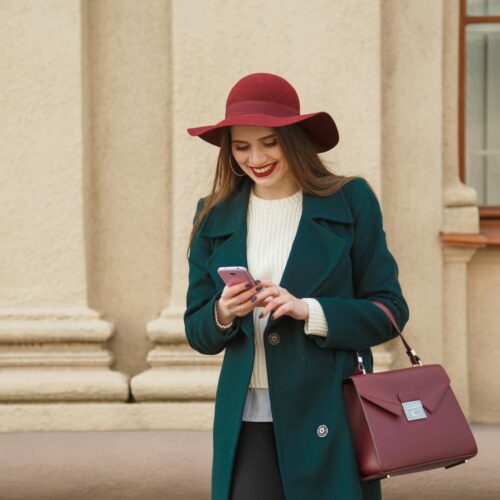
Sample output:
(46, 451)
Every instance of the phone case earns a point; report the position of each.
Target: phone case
(235, 274)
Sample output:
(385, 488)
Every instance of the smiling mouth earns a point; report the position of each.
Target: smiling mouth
(266, 168)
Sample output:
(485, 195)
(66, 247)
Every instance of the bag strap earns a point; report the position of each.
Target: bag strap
(415, 360)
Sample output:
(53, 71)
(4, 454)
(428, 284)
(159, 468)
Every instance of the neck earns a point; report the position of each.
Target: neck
(275, 192)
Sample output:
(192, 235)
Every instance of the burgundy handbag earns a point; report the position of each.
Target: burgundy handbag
(405, 420)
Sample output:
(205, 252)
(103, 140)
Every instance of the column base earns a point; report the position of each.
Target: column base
(105, 416)
(57, 354)
(178, 372)
(62, 384)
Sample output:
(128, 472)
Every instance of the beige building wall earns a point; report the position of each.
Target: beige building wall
(99, 181)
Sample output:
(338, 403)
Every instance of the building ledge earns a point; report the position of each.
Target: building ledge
(464, 240)
(492, 234)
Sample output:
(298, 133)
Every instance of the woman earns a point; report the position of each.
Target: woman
(315, 242)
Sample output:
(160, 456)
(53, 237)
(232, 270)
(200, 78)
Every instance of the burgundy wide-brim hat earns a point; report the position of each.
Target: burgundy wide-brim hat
(267, 100)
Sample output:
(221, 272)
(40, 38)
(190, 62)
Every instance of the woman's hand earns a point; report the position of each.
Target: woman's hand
(235, 301)
(282, 303)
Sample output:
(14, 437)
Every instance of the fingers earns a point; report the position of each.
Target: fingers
(267, 283)
(270, 298)
(236, 298)
(240, 299)
(232, 291)
(271, 291)
(280, 309)
(261, 298)
(273, 306)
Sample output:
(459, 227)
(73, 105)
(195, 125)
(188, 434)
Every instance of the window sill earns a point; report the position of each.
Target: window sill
(489, 235)
(490, 228)
(463, 240)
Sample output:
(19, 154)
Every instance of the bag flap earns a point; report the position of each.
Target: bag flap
(392, 407)
(387, 390)
(432, 400)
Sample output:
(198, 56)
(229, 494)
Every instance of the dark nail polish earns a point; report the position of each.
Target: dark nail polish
(257, 281)
(261, 315)
(248, 285)
(254, 298)
(259, 288)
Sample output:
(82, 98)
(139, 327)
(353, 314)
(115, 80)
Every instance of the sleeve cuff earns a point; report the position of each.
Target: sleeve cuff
(316, 323)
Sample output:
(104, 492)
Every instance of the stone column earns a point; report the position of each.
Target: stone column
(51, 342)
(177, 374)
(201, 84)
(455, 358)
(483, 337)
(461, 214)
(412, 35)
(460, 229)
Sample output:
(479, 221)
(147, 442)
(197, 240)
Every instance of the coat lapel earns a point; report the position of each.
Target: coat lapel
(315, 251)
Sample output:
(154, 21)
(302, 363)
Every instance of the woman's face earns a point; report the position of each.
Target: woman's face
(256, 149)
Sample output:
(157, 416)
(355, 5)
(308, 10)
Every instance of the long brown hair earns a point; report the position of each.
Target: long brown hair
(308, 169)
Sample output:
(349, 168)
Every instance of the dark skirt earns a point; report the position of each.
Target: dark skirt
(256, 472)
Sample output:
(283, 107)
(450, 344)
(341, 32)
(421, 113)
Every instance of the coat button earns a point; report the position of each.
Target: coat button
(274, 338)
(322, 431)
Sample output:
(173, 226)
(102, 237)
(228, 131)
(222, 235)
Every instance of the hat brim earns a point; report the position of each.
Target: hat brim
(319, 126)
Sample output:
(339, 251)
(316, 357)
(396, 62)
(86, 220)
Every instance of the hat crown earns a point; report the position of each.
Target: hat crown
(263, 93)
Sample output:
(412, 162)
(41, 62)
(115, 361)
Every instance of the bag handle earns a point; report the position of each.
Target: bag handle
(415, 360)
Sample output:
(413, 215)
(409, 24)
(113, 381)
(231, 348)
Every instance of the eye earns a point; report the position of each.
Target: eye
(267, 144)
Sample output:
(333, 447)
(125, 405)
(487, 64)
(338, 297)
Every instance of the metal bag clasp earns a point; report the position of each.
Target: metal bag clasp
(414, 410)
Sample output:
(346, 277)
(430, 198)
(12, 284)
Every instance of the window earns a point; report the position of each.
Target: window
(479, 106)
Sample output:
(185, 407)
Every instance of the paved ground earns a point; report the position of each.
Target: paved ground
(175, 465)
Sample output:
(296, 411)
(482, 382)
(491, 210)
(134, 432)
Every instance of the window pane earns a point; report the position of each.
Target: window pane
(483, 7)
(482, 111)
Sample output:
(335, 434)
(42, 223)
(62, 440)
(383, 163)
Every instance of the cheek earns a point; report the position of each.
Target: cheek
(284, 165)
(240, 155)
(278, 154)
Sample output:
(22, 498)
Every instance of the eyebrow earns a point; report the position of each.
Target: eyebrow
(260, 138)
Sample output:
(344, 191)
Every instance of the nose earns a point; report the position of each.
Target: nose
(257, 157)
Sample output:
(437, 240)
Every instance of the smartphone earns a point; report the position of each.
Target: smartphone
(233, 275)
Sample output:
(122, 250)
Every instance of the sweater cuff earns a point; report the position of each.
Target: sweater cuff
(316, 323)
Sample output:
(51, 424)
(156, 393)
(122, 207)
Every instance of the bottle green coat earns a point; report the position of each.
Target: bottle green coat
(339, 257)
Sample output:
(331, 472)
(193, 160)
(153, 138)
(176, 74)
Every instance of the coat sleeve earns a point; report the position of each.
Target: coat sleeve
(202, 332)
(356, 323)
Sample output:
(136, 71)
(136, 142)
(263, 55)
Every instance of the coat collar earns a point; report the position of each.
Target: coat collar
(230, 214)
(315, 252)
